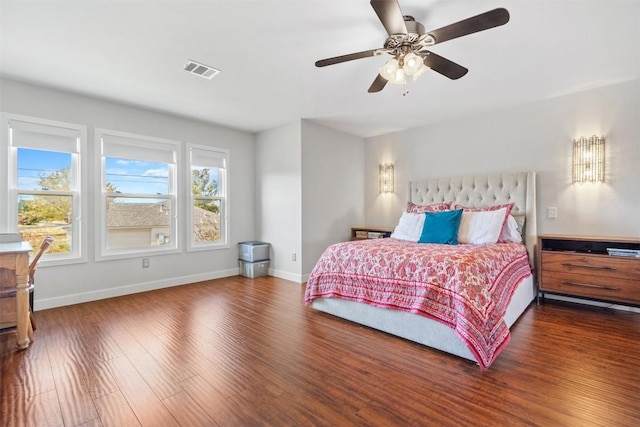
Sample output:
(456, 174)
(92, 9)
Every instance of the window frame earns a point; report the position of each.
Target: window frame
(9, 190)
(223, 196)
(144, 142)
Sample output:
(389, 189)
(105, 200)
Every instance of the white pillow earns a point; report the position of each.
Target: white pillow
(511, 232)
(409, 227)
(481, 227)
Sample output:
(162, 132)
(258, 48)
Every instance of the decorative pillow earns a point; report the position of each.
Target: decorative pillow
(441, 227)
(409, 227)
(481, 227)
(508, 206)
(435, 207)
(520, 220)
(511, 232)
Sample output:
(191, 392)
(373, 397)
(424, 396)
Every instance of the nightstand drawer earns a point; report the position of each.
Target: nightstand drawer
(604, 266)
(581, 266)
(591, 286)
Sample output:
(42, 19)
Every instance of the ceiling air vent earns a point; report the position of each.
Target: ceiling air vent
(200, 69)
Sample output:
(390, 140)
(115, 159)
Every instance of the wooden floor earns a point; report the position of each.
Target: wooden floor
(242, 352)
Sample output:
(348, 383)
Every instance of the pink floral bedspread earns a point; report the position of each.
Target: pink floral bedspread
(467, 287)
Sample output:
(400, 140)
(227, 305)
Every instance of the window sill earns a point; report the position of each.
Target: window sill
(135, 254)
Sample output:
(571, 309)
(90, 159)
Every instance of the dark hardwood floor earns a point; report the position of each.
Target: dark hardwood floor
(242, 352)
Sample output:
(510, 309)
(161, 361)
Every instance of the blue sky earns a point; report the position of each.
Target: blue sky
(128, 176)
(134, 176)
(34, 163)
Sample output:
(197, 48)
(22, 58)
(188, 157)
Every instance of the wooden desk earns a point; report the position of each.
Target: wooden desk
(14, 280)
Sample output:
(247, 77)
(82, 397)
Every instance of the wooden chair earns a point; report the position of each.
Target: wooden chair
(46, 243)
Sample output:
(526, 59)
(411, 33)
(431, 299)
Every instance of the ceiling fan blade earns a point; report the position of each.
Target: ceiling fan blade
(484, 21)
(390, 15)
(378, 84)
(442, 65)
(349, 57)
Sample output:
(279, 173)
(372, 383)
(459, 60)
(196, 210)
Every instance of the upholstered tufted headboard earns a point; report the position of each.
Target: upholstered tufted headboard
(485, 190)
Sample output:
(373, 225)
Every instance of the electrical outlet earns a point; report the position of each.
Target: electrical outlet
(293, 256)
(552, 212)
(145, 262)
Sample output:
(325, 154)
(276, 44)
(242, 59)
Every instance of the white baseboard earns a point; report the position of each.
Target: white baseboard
(286, 275)
(43, 304)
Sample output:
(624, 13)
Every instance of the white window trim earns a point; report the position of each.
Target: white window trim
(101, 253)
(9, 191)
(224, 217)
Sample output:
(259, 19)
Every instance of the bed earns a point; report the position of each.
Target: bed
(457, 332)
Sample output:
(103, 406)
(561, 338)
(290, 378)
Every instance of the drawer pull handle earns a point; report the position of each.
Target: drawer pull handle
(594, 267)
(588, 285)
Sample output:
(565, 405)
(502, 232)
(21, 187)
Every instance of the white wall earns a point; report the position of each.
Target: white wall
(61, 285)
(332, 189)
(536, 137)
(278, 195)
(309, 187)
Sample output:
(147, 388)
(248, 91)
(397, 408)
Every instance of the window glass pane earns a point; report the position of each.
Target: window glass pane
(40, 216)
(43, 170)
(137, 223)
(206, 220)
(135, 176)
(205, 181)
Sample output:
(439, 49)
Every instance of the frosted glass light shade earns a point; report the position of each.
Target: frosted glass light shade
(391, 71)
(388, 70)
(412, 63)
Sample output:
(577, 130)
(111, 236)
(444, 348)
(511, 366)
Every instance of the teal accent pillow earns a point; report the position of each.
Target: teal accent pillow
(441, 227)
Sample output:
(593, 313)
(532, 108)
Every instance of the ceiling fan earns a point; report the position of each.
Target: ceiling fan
(407, 42)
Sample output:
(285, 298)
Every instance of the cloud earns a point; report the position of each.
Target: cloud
(125, 162)
(156, 172)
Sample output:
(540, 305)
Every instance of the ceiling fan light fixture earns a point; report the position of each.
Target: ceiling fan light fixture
(406, 42)
(412, 64)
(393, 72)
(389, 69)
(400, 77)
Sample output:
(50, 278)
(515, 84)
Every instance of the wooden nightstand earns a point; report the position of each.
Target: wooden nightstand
(581, 266)
(360, 233)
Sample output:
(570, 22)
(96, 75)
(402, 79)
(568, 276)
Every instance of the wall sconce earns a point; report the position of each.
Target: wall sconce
(588, 159)
(386, 178)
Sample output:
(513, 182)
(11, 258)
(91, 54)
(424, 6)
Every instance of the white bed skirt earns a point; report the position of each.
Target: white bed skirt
(418, 328)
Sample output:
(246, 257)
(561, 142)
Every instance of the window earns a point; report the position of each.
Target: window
(44, 184)
(207, 178)
(138, 204)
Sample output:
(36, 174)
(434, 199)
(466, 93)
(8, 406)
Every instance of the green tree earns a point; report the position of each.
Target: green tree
(56, 180)
(53, 209)
(43, 208)
(201, 183)
(206, 225)
(203, 186)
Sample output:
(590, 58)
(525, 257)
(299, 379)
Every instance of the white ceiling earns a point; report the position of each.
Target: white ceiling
(134, 51)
